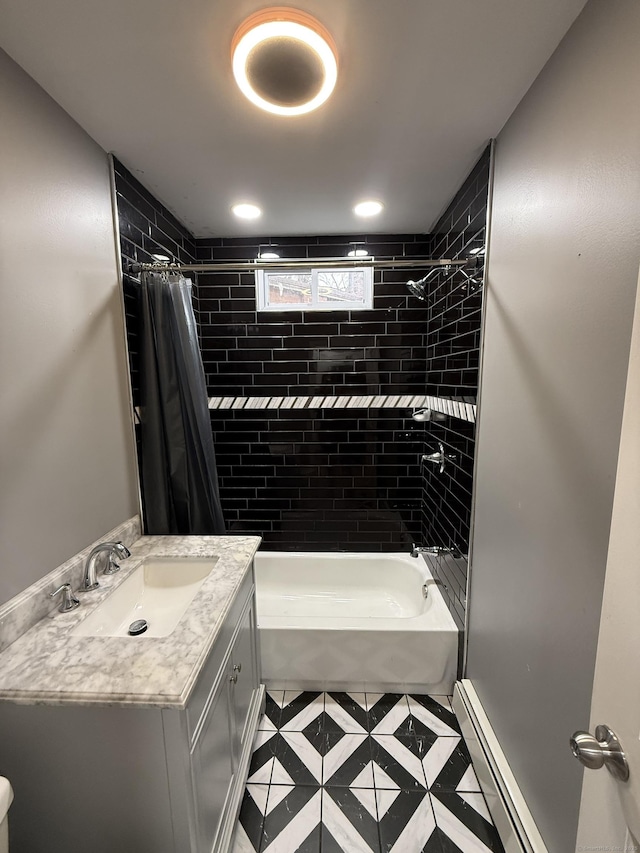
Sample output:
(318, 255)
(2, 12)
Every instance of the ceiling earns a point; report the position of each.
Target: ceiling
(423, 85)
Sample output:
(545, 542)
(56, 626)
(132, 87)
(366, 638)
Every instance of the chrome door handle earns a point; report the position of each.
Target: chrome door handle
(602, 750)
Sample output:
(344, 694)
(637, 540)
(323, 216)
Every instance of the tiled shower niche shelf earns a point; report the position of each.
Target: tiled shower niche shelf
(461, 409)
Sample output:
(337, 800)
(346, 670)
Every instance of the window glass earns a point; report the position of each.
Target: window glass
(289, 288)
(314, 289)
(341, 286)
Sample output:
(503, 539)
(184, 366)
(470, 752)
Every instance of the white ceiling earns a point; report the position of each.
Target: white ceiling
(423, 85)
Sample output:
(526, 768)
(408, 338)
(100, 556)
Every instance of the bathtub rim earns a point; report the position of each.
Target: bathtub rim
(437, 616)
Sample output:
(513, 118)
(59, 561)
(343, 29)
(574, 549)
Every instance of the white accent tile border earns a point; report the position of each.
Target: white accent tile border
(454, 408)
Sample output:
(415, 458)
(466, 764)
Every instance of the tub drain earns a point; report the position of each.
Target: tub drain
(138, 627)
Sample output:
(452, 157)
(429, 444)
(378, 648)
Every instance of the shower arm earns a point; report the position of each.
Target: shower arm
(304, 263)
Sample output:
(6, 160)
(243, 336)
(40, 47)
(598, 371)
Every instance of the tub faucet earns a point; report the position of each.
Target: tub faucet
(113, 549)
(438, 551)
(416, 550)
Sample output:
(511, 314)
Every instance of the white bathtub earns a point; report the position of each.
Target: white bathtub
(353, 621)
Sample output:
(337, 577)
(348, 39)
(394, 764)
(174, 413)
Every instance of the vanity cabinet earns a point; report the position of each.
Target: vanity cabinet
(130, 778)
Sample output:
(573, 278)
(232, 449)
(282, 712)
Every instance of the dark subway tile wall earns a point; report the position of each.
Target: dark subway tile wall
(452, 340)
(267, 353)
(321, 480)
(452, 351)
(346, 480)
(446, 506)
(146, 228)
(318, 479)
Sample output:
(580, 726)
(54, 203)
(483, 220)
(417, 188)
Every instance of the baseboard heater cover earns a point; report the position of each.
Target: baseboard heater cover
(511, 816)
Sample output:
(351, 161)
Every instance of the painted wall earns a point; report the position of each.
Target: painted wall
(562, 270)
(67, 473)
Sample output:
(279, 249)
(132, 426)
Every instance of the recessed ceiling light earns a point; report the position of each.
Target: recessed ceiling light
(284, 61)
(358, 253)
(368, 208)
(161, 258)
(268, 256)
(246, 211)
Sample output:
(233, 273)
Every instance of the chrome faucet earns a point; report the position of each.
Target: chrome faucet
(113, 549)
(437, 551)
(416, 550)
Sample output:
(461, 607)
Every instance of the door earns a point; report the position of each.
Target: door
(609, 808)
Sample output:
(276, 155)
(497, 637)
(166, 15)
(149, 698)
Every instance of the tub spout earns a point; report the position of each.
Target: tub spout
(416, 550)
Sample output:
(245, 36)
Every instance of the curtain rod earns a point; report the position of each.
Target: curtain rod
(302, 263)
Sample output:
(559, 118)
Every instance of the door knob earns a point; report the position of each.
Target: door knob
(602, 750)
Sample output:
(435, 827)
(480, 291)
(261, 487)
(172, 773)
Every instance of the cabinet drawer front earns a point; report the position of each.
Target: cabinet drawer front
(212, 669)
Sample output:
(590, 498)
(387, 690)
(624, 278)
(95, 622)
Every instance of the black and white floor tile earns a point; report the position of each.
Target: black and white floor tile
(362, 773)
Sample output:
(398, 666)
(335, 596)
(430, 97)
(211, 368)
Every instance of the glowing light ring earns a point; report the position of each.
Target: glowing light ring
(284, 29)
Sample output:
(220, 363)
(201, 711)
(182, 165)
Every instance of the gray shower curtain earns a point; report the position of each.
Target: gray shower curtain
(178, 467)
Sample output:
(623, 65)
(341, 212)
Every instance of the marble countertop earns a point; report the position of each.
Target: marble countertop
(50, 665)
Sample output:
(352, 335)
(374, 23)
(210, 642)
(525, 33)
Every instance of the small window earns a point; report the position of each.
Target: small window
(314, 289)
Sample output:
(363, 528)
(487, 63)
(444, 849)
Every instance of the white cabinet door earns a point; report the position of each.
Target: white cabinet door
(213, 766)
(245, 673)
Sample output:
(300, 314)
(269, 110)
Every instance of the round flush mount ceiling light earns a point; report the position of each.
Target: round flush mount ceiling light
(358, 253)
(368, 208)
(246, 211)
(268, 256)
(284, 61)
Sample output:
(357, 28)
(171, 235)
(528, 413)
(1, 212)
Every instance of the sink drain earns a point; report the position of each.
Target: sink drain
(138, 627)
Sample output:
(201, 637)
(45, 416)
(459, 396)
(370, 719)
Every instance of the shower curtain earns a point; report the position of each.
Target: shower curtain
(180, 492)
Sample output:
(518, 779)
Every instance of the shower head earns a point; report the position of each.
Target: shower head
(417, 289)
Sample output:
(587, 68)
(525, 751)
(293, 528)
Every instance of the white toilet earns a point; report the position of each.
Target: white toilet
(6, 797)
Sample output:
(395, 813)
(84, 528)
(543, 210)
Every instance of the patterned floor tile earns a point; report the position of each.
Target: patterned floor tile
(261, 766)
(464, 824)
(344, 772)
(347, 711)
(270, 720)
(348, 763)
(388, 713)
(251, 820)
(447, 764)
(349, 821)
(300, 710)
(297, 761)
(292, 820)
(396, 763)
(241, 842)
(406, 822)
(430, 716)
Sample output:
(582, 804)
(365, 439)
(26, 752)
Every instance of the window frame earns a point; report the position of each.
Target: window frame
(262, 290)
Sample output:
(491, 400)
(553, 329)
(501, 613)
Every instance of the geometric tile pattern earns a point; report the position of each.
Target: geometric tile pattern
(454, 408)
(362, 773)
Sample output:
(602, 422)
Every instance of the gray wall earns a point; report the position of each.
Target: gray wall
(66, 450)
(563, 266)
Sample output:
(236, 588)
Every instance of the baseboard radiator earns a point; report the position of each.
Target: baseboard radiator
(508, 808)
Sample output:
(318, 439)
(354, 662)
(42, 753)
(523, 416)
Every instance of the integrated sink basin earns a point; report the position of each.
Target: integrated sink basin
(158, 592)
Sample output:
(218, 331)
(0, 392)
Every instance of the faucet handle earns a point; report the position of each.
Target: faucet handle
(69, 601)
